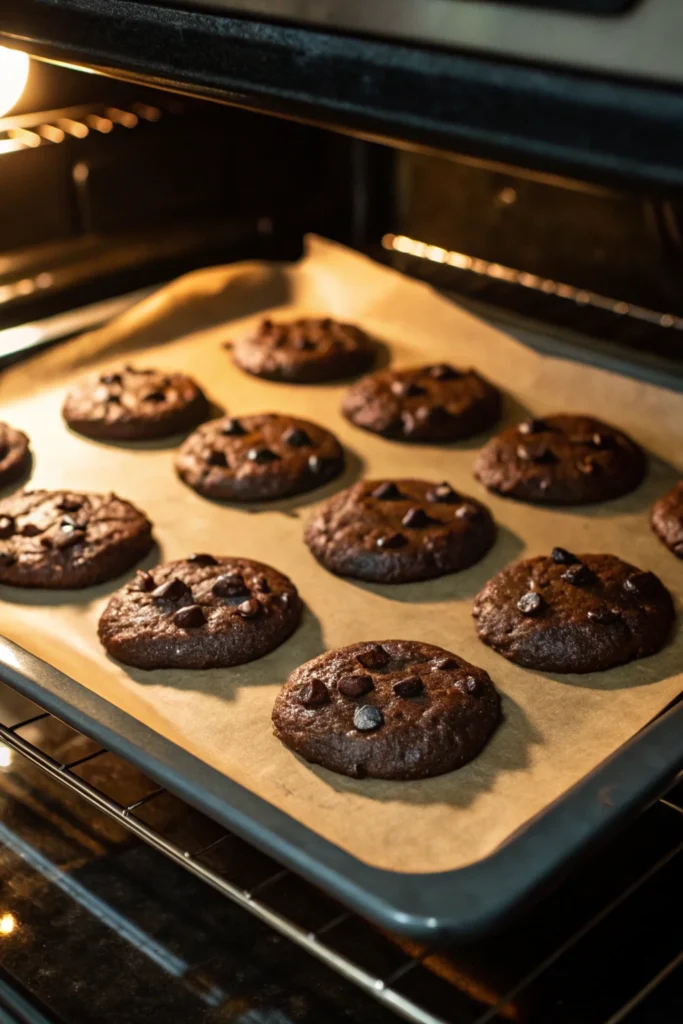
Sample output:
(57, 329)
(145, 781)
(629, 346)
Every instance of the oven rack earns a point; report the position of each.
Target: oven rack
(380, 986)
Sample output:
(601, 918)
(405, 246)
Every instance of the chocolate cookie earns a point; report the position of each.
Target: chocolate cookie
(14, 454)
(305, 351)
(258, 458)
(398, 531)
(561, 460)
(134, 405)
(574, 613)
(427, 403)
(667, 519)
(395, 710)
(200, 612)
(63, 539)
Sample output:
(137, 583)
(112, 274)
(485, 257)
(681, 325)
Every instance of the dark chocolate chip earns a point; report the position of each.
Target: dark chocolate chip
(431, 413)
(145, 581)
(189, 617)
(172, 590)
(68, 538)
(6, 527)
(217, 458)
(411, 686)
(202, 560)
(535, 453)
(530, 603)
(230, 584)
(471, 685)
(69, 505)
(392, 540)
(375, 657)
(303, 344)
(6, 559)
(314, 694)
(262, 455)
(261, 585)
(563, 557)
(416, 518)
(111, 378)
(355, 686)
(154, 396)
(533, 426)
(446, 664)
(297, 437)
(469, 512)
(406, 388)
(315, 463)
(367, 718)
(641, 583)
(248, 609)
(604, 441)
(233, 428)
(578, 575)
(443, 372)
(603, 615)
(443, 493)
(267, 325)
(30, 530)
(387, 492)
(114, 399)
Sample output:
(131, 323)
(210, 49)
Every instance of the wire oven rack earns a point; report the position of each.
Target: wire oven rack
(420, 984)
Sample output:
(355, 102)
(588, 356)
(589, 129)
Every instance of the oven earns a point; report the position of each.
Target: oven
(522, 160)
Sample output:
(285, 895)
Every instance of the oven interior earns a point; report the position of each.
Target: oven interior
(108, 189)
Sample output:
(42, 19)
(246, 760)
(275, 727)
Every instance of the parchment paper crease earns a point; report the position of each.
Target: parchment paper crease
(556, 728)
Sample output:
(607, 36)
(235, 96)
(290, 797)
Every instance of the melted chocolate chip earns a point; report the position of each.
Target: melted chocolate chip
(604, 441)
(202, 560)
(375, 657)
(563, 557)
(173, 590)
(30, 530)
(6, 559)
(411, 686)
(446, 664)
(230, 584)
(533, 426)
(261, 585)
(443, 493)
(68, 538)
(68, 525)
(144, 581)
(111, 378)
(641, 584)
(189, 617)
(578, 575)
(249, 609)
(303, 344)
(431, 413)
(603, 615)
(6, 527)
(314, 694)
(536, 453)
(406, 388)
(154, 396)
(443, 372)
(69, 505)
(297, 437)
(471, 685)
(392, 540)
(217, 458)
(387, 492)
(355, 686)
(233, 428)
(367, 718)
(315, 464)
(531, 603)
(114, 399)
(469, 512)
(416, 518)
(262, 455)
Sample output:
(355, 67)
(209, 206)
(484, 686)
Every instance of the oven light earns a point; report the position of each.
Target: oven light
(8, 923)
(5, 756)
(13, 77)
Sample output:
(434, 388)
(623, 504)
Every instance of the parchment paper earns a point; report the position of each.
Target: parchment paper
(556, 728)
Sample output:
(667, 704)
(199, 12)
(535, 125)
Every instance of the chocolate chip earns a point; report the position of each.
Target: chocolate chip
(6, 527)
(202, 560)
(172, 590)
(230, 584)
(114, 399)
(443, 372)
(355, 686)
(375, 657)
(267, 325)
(530, 603)
(217, 458)
(233, 428)
(367, 718)
(261, 585)
(416, 518)
(68, 525)
(533, 426)
(604, 441)
(446, 664)
(154, 396)
(641, 583)
(443, 493)
(297, 437)
(286, 599)
(249, 609)
(303, 344)
(262, 455)
(189, 617)
(145, 581)
(6, 559)
(70, 505)
(471, 685)
(315, 464)
(431, 413)
(68, 538)
(111, 378)
(469, 512)
(387, 492)
(411, 686)
(392, 540)
(314, 694)
(587, 466)
(603, 615)
(535, 453)
(406, 388)
(30, 530)
(563, 557)
(578, 575)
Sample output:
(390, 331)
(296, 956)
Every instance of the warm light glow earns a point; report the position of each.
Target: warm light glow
(8, 923)
(5, 756)
(13, 77)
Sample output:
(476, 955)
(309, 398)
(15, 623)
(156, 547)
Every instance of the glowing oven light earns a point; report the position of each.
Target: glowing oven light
(8, 923)
(13, 77)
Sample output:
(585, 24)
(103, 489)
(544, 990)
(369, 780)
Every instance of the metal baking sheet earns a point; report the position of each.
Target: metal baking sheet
(207, 735)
